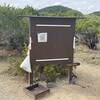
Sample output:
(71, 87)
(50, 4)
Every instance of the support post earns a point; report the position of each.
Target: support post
(70, 74)
(30, 78)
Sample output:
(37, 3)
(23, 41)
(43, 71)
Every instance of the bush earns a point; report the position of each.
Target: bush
(88, 31)
(50, 72)
(16, 61)
(89, 39)
(54, 71)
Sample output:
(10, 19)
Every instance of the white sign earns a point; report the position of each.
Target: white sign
(56, 59)
(42, 37)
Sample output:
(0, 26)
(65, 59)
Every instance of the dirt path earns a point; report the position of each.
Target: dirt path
(11, 87)
(87, 87)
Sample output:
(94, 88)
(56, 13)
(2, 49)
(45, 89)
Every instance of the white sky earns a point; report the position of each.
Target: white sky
(85, 6)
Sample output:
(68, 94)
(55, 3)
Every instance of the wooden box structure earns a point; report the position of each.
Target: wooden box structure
(51, 41)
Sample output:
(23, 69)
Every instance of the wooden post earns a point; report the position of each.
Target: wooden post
(30, 78)
(70, 74)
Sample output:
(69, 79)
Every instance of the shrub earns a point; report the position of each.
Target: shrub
(89, 39)
(16, 61)
(54, 71)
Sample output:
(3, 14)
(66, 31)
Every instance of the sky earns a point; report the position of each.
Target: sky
(85, 6)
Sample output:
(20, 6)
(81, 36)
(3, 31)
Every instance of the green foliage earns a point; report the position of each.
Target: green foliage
(54, 71)
(15, 65)
(50, 72)
(87, 26)
(89, 30)
(15, 61)
(13, 27)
